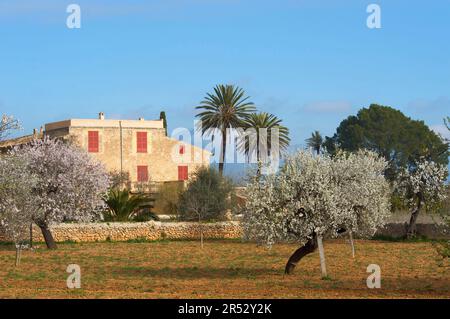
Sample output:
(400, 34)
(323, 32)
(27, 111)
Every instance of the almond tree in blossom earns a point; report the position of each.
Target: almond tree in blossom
(313, 197)
(422, 186)
(69, 186)
(16, 186)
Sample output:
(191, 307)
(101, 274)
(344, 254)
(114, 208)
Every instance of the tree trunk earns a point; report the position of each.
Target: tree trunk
(306, 249)
(258, 170)
(350, 234)
(18, 254)
(201, 238)
(200, 227)
(223, 151)
(323, 265)
(411, 232)
(31, 235)
(48, 237)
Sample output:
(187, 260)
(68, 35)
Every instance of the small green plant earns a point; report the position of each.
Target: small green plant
(443, 249)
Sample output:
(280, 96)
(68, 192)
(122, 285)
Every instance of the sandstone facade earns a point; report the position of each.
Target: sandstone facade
(120, 150)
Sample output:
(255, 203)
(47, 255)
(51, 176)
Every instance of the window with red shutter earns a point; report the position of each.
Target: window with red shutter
(141, 139)
(142, 174)
(182, 173)
(92, 141)
(181, 149)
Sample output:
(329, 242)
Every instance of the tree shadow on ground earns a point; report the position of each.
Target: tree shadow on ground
(7, 247)
(196, 272)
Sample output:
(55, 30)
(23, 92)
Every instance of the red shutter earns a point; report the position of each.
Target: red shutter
(93, 141)
(182, 173)
(142, 174)
(181, 151)
(141, 138)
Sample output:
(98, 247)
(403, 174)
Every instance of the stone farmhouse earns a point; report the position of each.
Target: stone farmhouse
(139, 148)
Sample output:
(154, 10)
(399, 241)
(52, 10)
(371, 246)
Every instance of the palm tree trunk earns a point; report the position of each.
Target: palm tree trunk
(258, 170)
(223, 151)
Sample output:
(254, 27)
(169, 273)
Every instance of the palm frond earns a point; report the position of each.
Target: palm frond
(263, 120)
(315, 141)
(123, 206)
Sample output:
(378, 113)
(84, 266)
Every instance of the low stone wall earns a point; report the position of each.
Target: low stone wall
(181, 230)
(431, 231)
(128, 231)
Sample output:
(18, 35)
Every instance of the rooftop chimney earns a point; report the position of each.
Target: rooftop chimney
(101, 116)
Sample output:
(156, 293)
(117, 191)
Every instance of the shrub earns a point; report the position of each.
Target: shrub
(207, 196)
(167, 198)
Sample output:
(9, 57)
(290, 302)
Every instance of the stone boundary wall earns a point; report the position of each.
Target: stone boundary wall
(183, 230)
(151, 230)
(431, 231)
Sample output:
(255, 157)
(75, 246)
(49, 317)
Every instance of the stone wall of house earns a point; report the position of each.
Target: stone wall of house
(118, 147)
(184, 230)
(162, 157)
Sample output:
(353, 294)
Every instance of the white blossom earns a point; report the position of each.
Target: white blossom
(16, 185)
(70, 182)
(318, 194)
(425, 182)
(7, 124)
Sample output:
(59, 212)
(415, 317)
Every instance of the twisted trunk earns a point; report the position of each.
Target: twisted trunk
(411, 232)
(309, 247)
(48, 237)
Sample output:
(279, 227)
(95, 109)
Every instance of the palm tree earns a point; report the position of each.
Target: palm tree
(122, 206)
(315, 141)
(267, 121)
(226, 108)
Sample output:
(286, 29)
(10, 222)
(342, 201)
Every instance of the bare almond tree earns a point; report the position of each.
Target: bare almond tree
(7, 124)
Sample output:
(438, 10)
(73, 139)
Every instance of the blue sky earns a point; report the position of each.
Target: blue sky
(312, 63)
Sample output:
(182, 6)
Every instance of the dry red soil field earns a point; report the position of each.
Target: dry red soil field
(224, 269)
